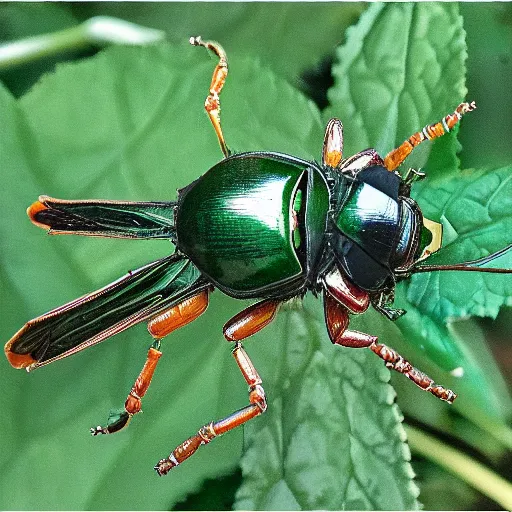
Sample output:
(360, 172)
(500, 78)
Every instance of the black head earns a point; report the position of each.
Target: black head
(376, 228)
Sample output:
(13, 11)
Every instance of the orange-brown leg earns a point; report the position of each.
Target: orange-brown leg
(332, 152)
(159, 327)
(337, 319)
(246, 323)
(212, 103)
(432, 131)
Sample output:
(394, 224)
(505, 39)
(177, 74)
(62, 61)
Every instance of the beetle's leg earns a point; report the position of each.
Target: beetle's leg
(212, 103)
(159, 327)
(345, 292)
(432, 131)
(332, 152)
(246, 323)
(336, 318)
(120, 419)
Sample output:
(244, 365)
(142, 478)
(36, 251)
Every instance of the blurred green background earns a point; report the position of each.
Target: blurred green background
(47, 459)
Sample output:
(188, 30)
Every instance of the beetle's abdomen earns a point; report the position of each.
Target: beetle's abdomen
(235, 223)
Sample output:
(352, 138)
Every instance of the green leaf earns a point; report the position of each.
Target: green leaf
(331, 424)
(472, 424)
(475, 209)
(106, 128)
(129, 124)
(390, 82)
(429, 343)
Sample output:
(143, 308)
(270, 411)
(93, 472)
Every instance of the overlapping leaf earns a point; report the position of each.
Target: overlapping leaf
(129, 124)
(402, 67)
(332, 438)
(475, 209)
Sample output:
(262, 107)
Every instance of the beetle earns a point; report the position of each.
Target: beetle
(257, 225)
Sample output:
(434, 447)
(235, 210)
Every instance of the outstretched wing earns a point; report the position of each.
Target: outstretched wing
(113, 219)
(94, 317)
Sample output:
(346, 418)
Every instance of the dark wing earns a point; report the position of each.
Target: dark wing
(114, 219)
(94, 317)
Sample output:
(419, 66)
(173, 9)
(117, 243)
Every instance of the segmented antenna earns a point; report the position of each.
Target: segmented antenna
(467, 266)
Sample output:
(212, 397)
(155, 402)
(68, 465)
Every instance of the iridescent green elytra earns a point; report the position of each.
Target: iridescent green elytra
(239, 225)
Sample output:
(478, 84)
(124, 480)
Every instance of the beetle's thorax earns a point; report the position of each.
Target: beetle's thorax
(255, 224)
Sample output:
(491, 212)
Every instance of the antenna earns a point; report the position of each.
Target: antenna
(468, 266)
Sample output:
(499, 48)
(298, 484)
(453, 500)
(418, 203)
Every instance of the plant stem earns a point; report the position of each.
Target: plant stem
(467, 469)
(100, 30)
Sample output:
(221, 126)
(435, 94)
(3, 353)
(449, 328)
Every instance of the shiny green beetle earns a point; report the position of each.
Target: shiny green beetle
(257, 225)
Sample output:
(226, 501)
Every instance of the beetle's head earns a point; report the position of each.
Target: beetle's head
(377, 229)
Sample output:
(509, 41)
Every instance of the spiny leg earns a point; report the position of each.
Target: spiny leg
(336, 317)
(246, 323)
(159, 327)
(212, 103)
(395, 157)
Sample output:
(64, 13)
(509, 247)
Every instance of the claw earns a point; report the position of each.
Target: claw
(99, 430)
(165, 465)
(116, 421)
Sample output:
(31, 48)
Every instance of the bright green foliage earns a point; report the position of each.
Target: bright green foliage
(332, 438)
(402, 67)
(129, 124)
(475, 209)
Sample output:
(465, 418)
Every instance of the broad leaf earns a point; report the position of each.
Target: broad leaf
(475, 209)
(332, 438)
(390, 82)
(129, 124)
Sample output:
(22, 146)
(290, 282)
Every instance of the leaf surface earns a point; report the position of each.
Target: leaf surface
(332, 438)
(390, 82)
(475, 209)
(129, 124)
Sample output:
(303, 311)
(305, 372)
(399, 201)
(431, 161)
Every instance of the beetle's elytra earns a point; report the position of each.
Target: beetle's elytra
(258, 225)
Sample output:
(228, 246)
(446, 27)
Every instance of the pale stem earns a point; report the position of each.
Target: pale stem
(97, 31)
(461, 465)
